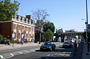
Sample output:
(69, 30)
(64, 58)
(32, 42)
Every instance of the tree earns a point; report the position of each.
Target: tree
(48, 35)
(59, 31)
(39, 15)
(84, 35)
(2, 37)
(49, 25)
(8, 9)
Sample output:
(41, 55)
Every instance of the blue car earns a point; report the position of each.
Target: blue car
(48, 46)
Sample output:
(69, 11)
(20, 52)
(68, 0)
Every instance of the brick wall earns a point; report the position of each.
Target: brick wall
(5, 29)
(28, 34)
(17, 32)
(21, 33)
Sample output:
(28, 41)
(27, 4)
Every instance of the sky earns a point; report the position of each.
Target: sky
(65, 14)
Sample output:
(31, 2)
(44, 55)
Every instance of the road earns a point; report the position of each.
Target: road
(12, 52)
(22, 50)
(59, 53)
(35, 53)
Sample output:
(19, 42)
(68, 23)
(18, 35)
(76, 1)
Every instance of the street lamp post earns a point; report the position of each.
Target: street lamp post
(87, 28)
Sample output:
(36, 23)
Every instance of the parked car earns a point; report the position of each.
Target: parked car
(48, 46)
(67, 45)
(5, 42)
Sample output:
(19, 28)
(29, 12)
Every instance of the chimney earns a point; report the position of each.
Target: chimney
(28, 16)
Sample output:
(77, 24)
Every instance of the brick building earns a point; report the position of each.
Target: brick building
(19, 28)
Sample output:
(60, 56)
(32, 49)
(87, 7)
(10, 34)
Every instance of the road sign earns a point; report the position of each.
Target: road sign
(88, 26)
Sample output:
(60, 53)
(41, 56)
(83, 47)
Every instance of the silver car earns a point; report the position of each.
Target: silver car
(67, 45)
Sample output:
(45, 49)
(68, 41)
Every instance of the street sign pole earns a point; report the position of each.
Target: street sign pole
(87, 28)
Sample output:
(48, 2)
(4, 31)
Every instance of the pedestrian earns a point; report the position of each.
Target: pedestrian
(21, 42)
(75, 46)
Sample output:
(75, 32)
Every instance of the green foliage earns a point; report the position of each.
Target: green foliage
(2, 38)
(8, 9)
(13, 41)
(49, 25)
(74, 37)
(84, 35)
(48, 35)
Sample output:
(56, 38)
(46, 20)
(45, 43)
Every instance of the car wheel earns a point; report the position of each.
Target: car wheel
(40, 49)
(51, 49)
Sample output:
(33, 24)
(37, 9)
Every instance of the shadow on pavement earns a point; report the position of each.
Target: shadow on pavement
(55, 58)
(43, 51)
(63, 53)
(60, 53)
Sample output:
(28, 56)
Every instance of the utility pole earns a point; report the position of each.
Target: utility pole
(39, 28)
(87, 29)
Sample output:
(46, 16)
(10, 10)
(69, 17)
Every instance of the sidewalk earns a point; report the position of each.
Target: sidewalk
(13, 46)
(84, 56)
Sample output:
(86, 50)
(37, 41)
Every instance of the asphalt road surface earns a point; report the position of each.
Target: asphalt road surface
(35, 53)
(59, 53)
(22, 50)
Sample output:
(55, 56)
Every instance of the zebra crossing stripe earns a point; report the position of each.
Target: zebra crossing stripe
(20, 52)
(1, 56)
(11, 54)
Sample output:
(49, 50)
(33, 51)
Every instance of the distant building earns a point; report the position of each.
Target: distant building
(71, 30)
(59, 31)
(19, 28)
(70, 35)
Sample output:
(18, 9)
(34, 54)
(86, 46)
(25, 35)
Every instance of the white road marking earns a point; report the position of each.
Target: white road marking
(48, 55)
(20, 52)
(11, 54)
(55, 53)
(26, 51)
(1, 56)
(32, 50)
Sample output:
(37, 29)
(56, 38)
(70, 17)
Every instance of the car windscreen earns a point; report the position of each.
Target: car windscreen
(66, 43)
(47, 43)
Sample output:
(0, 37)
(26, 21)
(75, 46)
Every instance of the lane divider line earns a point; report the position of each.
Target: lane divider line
(1, 56)
(11, 54)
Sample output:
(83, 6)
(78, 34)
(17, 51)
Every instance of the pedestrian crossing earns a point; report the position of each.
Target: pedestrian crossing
(9, 55)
